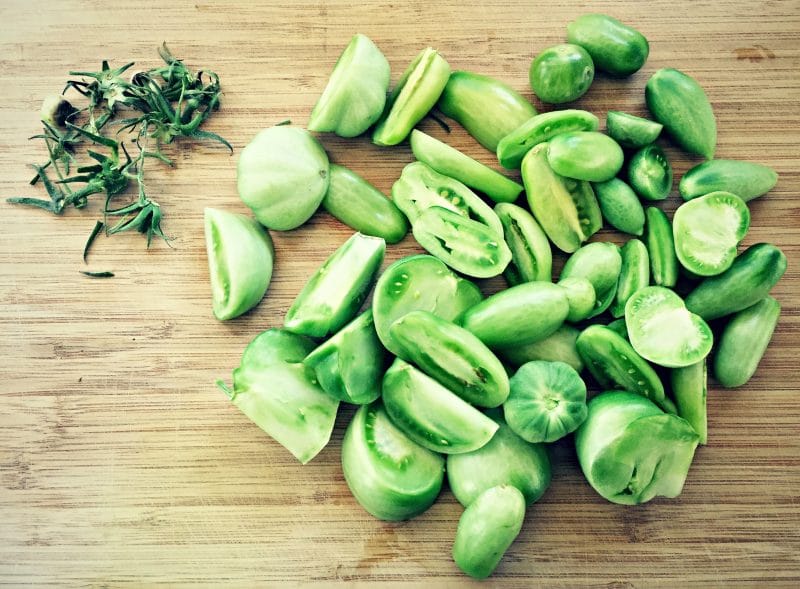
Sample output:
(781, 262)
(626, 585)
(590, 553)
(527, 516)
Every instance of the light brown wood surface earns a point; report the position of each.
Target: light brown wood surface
(121, 464)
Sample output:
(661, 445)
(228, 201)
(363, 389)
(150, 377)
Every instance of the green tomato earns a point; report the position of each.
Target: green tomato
(283, 175)
(620, 206)
(453, 356)
(432, 415)
(240, 256)
(630, 451)
(334, 294)
(618, 326)
(419, 283)
(585, 155)
(391, 476)
(449, 161)
(559, 346)
(600, 263)
(539, 129)
(689, 387)
(561, 73)
(547, 401)
(650, 173)
(506, 459)
(633, 275)
(615, 48)
(487, 108)
(356, 92)
(661, 248)
(580, 297)
(664, 331)
(631, 131)
(707, 231)
(415, 94)
(679, 103)
(744, 179)
(487, 529)
(531, 256)
(358, 204)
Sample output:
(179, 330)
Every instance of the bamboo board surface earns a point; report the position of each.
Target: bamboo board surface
(121, 464)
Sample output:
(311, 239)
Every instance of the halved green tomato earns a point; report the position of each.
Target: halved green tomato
(650, 173)
(531, 256)
(707, 231)
(664, 331)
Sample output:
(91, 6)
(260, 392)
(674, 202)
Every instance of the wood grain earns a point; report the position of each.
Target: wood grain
(121, 464)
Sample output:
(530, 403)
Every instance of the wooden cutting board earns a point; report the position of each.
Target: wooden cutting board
(121, 463)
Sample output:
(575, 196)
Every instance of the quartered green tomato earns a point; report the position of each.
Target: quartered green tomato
(600, 263)
(664, 331)
(358, 204)
(678, 102)
(334, 294)
(487, 108)
(580, 296)
(650, 173)
(283, 175)
(620, 206)
(415, 94)
(350, 365)
(391, 476)
(561, 73)
(559, 346)
(506, 459)
(539, 129)
(273, 388)
(432, 415)
(547, 401)
(356, 92)
(449, 161)
(487, 529)
(749, 279)
(746, 180)
(585, 155)
(453, 356)
(631, 131)
(708, 230)
(566, 209)
(419, 283)
(519, 315)
(531, 256)
(239, 262)
(634, 274)
(630, 451)
(661, 248)
(615, 48)
(689, 387)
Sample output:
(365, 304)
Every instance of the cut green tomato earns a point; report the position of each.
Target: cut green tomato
(421, 283)
(661, 248)
(620, 206)
(467, 246)
(276, 346)
(634, 274)
(506, 459)
(600, 263)
(391, 476)
(631, 131)
(585, 155)
(615, 365)
(747, 180)
(707, 231)
(453, 356)
(356, 92)
(650, 173)
(432, 415)
(531, 256)
(240, 258)
(559, 346)
(415, 94)
(334, 294)
(449, 161)
(580, 297)
(543, 127)
(349, 366)
(689, 386)
(630, 451)
(664, 331)
(547, 401)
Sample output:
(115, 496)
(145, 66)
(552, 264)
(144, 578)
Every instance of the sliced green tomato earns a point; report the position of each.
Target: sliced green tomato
(747, 180)
(689, 386)
(600, 263)
(650, 173)
(391, 476)
(334, 294)
(620, 206)
(543, 127)
(661, 248)
(707, 231)
(580, 296)
(449, 161)
(240, 258)
(276, 346)
(664, 331)
(487, 529)
(547, 401)
(415, 94)
(634, 274)
(531, 256)
(421, 283)
(585, 155)
(559, 346)
(506, 460)
(432, 415)
(615, 365)
(630, 451)
(350, 365)
(467, 246)
(453, 356)
(356, 92)
(631, 131)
